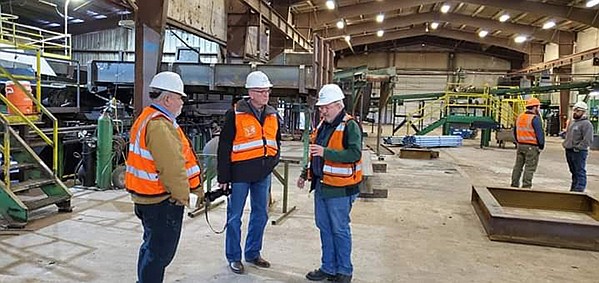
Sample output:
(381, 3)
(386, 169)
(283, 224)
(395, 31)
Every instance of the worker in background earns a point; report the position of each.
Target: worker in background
(162, 170)
(335, 172)
(530, 141)
(579, 137)
(248, 151)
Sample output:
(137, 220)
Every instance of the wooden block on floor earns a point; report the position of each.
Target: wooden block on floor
(379, 167)
(377, 193)
(418, 153)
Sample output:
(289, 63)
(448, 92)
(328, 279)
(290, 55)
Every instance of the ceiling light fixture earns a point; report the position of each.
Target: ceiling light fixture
(380, 18)
(434, 25)
(482, 33)
(340, 24)
(445, 8)
(520, 39)
(504, 18)
(330, 4)
(592, 3)
(347, 38)
(380, 33)
(550, 24)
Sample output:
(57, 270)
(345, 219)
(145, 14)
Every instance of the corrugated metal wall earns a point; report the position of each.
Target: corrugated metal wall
(119, 43)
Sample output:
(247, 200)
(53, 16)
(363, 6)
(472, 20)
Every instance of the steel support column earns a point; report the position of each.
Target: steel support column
(150, 20)
(566, 48)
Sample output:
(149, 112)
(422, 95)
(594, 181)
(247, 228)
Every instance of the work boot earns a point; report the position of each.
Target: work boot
(236, 267)
(343, 278)
(260, 262)
(319, 275)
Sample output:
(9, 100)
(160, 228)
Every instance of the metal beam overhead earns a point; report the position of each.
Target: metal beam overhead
(279, 22)
(565, 61)
(580, 15)
(445, 33)
(454, 19)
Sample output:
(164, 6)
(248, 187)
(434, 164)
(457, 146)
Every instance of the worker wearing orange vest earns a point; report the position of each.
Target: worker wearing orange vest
(248, 151)
(530, 140)
(162, 170)
(335, 172)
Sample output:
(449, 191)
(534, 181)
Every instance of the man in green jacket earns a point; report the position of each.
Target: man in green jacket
(335, 174)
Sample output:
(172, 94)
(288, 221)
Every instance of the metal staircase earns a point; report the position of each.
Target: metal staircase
(28, 183)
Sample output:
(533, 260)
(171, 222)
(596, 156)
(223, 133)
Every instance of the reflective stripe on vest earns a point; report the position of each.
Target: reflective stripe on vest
(252, 139)
(525, 132)
(336, 174)
(141, 175)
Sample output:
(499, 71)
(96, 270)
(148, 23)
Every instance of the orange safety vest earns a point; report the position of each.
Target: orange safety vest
(253, 140)
(524, 130)
(337, 174)
(141, 177)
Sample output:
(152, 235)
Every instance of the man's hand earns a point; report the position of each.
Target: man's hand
(301, 182)
(223, 186)
(200, 193)
(182, 201)
(316, 150)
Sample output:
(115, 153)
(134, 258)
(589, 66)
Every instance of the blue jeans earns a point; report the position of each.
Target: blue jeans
(258, 219)
(162, 228)
(577, 163)
(332, 219)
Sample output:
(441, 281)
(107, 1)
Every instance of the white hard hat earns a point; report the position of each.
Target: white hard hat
(257, 79)
(581, 105)
(168, 81)
(328, 94)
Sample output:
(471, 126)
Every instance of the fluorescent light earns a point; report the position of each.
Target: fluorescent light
(520, 39)
(434, 25)
(482, 33)
(505, 17)
(330, 4)
(381, 17)
(340, 24)
(380, 33)
(550, 24)
(347, 38)
(445, 8)
(592, 3)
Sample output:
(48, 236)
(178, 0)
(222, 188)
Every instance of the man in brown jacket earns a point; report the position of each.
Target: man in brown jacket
(161, 171)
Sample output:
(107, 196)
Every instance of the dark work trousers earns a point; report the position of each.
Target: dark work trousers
(162, 228)
(577, 161)
(527, 158)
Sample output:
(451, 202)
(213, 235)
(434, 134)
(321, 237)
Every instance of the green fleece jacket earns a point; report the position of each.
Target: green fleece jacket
(352, 152)
(165, 145)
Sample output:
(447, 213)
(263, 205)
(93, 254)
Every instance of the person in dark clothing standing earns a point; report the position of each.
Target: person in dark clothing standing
(530, 140)
(579, 137)
(335, 172)
(248, 151)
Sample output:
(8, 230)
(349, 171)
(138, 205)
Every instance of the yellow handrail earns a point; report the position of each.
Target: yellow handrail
(42, 109)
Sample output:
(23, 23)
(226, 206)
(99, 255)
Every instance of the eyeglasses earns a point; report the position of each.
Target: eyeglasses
(260, 91)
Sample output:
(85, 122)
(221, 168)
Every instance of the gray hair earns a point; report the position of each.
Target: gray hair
(340, 103)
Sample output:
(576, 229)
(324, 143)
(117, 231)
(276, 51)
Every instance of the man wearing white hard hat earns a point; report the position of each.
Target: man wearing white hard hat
(335, 172)
(248, 151)
(162, 171)
(579, 137)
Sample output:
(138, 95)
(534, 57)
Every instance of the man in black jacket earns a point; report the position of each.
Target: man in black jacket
(248, 151)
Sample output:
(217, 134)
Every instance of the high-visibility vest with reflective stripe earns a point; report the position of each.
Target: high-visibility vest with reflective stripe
(141, 176)
(525, 132)
(253, 140)
(337, 174)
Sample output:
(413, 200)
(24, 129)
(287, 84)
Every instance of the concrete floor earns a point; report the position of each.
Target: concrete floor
(425, 231)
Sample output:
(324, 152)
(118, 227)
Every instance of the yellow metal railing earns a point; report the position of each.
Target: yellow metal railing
(52, 44)
(29, 119)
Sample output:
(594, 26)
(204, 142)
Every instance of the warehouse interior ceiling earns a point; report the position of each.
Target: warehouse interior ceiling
(48, 14)
(501, 21)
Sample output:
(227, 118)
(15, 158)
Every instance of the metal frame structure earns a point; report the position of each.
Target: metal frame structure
(489, 204)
